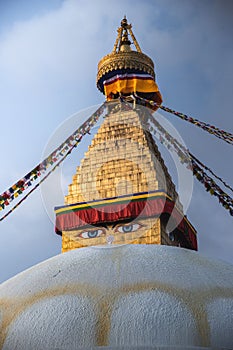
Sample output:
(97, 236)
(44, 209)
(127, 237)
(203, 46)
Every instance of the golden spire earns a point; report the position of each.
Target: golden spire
(123, 57)
(122, 41)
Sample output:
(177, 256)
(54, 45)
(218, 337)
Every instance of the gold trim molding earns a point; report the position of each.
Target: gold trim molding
(121, 60)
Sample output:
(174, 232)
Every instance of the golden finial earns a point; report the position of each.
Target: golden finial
(123, 38)
(123, 57)
(125, 62)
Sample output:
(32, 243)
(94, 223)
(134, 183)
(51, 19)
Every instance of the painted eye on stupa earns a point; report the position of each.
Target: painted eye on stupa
(128, 228)
(92, 233)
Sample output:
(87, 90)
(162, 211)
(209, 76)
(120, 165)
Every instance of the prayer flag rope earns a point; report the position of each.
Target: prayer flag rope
(191, 161)
(169, 141)
(67, 146)
(193, 164)
(186, 154)
(213, 130)
(21, 185)
(210, 171)
(213, 188)
(39, 183)
(221, 134)
(179, 148)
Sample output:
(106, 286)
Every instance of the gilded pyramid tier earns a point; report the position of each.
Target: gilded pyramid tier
(122, 190)
(122, 159)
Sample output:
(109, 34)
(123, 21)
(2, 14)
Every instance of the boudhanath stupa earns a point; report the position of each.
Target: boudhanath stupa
(129, 275)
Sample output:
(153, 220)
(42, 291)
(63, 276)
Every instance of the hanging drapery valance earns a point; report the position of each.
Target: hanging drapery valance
(140, 205)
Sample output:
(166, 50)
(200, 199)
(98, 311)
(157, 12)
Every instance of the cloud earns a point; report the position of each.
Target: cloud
(45, 45)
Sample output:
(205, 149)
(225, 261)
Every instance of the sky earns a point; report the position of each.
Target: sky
(49, 51)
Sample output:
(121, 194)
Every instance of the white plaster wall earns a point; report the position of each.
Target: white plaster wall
(120, 296)
(62, 318)
(223, 307)
(165, 317)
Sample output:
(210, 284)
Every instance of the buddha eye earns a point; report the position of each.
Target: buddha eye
(128, 228)
(91, 233)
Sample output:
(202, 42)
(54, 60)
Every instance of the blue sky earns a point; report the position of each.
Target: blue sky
(49, 52)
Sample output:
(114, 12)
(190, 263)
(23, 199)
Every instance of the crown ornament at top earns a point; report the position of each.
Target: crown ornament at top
(122, 55)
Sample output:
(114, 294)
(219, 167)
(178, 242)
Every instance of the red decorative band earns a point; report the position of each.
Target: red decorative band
(140, 205)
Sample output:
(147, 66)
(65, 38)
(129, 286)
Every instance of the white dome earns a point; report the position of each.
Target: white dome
(119, 296)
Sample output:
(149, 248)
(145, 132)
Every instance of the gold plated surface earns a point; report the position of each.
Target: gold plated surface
(122, 60)
(123, 57)
(122, 159)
